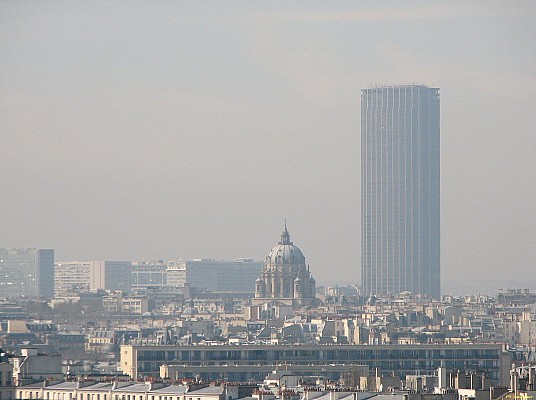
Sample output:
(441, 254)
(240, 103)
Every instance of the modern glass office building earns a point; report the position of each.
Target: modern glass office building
(237, 276)
(400, 164)
(80, 276)
(26, 272)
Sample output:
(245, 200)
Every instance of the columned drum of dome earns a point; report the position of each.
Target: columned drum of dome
(285, 276)
(400, 165)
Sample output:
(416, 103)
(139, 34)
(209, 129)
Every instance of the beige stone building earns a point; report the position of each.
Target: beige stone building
(117, 302)
(91, 390)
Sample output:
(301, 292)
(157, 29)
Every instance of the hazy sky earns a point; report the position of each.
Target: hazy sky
(160, 129)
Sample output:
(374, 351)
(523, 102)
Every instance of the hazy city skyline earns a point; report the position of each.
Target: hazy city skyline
(164, 130)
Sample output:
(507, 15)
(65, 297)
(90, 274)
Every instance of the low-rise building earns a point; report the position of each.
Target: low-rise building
(32, 365)
(118, 303)
(240, 363)
(7, 390)
(92, 390)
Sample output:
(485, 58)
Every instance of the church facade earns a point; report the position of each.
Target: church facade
(285, 276)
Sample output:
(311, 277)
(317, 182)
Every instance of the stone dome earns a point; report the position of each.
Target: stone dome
(285, 252)
(285, 276)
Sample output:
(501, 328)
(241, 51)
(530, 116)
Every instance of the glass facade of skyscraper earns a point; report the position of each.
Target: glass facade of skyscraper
(400, 192)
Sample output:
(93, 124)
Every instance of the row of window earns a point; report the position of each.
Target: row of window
(92, 396)
(315, 355)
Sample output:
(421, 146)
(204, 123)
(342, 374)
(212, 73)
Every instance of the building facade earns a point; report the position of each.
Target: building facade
(118, 303)
(7, 389)
(92, 390)
(71, 277)
(149, 275)
(236, 276)
(176, 273)
(81, 276)
(285, 276)
(400, 167)
(27, 272)
(240, 363)
(32, 365)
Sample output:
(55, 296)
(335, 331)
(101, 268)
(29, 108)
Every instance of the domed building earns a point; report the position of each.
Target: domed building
(285, 276)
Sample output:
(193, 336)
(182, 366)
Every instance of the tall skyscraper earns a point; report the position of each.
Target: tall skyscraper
(26, 272)
(400, 163)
